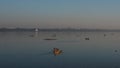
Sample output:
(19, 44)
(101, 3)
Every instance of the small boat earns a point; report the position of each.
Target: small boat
(87, 38)
(50, 39)
(57, 51)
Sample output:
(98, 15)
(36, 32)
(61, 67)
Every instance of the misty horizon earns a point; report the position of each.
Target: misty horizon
(103, 14)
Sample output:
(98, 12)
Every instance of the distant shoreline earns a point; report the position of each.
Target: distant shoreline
(57, 30)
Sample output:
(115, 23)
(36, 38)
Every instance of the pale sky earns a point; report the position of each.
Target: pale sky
(97, 14)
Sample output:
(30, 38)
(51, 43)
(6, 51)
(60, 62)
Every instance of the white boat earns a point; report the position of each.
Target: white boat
(36, 30)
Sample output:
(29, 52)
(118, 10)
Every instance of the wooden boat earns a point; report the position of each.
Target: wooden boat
(57, 51)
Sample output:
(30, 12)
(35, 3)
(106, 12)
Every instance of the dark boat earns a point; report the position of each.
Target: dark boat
(50, 39)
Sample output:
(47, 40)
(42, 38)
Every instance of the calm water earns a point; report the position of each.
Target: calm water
(30, 50)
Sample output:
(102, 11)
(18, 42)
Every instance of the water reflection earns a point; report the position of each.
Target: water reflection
(47, 53)
(55, 52)
(100, 51)
(34, 35)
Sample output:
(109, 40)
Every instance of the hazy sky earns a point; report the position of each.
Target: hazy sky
(103, 14)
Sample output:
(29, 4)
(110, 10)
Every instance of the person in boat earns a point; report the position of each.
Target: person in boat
(57, 51)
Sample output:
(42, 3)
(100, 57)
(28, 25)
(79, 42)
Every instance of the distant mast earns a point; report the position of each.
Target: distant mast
(36, 29)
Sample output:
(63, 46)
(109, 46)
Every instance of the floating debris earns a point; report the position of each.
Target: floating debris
(104, 35)
(87, 38)
(57, 51)
(116, 50)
